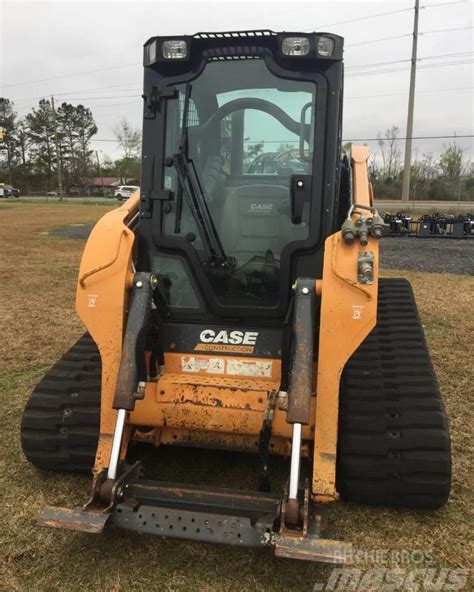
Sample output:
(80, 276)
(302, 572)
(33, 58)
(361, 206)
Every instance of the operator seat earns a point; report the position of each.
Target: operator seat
(256, 219)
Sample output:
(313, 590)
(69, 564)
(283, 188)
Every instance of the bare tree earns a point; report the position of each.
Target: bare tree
(129, 140)
(390, 151)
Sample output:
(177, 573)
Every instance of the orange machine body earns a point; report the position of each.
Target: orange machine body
(226, 410)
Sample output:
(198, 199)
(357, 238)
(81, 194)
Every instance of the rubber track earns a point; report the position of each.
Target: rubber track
(394, 446)
(60, 424)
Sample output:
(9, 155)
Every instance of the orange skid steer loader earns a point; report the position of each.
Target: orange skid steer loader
(235, 303)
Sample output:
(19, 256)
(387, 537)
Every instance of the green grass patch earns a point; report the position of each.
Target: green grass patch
(436, 328)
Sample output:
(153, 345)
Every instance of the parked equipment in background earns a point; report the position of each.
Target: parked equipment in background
(233, 309)
(431, 225)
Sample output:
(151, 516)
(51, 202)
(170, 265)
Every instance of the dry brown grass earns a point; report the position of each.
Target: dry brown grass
(38, 323)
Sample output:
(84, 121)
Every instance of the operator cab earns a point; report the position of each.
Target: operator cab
(240, 168)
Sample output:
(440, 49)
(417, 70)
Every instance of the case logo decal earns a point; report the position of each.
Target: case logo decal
(227, 341)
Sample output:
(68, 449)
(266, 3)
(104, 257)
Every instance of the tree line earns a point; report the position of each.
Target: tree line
(33, 146)
(449, 176)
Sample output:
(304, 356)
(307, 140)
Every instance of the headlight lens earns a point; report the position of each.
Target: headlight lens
(175, 49)
(325, 46)
(151, 52)
(295, 46)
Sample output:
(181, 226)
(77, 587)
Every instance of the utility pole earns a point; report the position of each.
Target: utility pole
(411, 108)
(100, 173)
(58, 155)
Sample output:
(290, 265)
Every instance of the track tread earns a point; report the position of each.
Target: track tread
(394, 446)
(60, 424)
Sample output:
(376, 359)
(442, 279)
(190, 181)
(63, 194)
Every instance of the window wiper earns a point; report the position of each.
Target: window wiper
(190, 187)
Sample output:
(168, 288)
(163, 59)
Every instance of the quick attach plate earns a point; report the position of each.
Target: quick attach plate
(205, 514)
(194, 526)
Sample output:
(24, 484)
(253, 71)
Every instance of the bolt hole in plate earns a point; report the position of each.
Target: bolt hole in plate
(199, 526)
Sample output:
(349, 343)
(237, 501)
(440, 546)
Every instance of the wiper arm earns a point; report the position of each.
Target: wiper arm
(182, 150)
(190, 186)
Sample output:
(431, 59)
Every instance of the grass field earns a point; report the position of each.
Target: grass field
(38, 323)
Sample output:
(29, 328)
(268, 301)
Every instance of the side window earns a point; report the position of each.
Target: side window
(174, 281)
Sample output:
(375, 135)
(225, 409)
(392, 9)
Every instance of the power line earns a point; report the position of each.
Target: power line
(422, 92)
(452, 63)
(434, 5)
(376, 64)
(137, 63)
(444, 55)
(456, 54)
(380, 39)
(425, 67)
(70, 75)
(445, 30)
(30, 104)
(23, 102)
(405, 138)
(362, 18)
(137, 96)
(77, 90)
(293, 141)
(447, 55)
(114, 105)
(368, 41)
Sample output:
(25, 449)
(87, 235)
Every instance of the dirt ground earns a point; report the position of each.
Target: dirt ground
(37, 289)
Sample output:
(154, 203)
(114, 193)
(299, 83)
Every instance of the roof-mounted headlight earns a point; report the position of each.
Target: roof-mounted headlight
(151, 52)
(174, 49)
(295, 46)
(325, 46)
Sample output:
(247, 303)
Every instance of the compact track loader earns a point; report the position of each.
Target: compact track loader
(235, 303)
